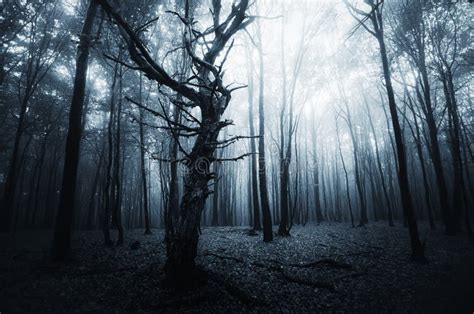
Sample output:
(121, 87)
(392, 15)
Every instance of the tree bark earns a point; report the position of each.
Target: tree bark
(215, 196)
(375, 17)
(317, 198)
(357, 171)
(64, 218)
(91, 214)
(381, 174)
(454, 132)
(117, 185)
(212, 98)
(109, 186)
(419, 149)
(409, 212)
(145, 208)
(182, 247)
(348, 193)
(262, 173)
(253, 160)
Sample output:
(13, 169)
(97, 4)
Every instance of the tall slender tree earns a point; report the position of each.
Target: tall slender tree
(375, 16)
(42, 52)
(410, 36)
(65, 214)
(142, 143)
(262, 172)
(253, 160)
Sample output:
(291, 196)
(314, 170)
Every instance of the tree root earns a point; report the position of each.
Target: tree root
(280, 269)
(321, 284)
(93, 272)
(346, 240)
(350, 275)
(238, 260)
(324, 261)
(235, 291)
(235, 259)
(251, 232)
(306, 282)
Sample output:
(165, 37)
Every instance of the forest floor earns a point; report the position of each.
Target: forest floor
(320, 268)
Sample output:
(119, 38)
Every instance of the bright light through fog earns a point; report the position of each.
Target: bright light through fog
(71, 6)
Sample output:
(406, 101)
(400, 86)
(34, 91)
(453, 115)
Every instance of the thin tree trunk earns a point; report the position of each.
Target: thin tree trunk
(458, 180)
(416, 246)
(109, 186)
(266, 215)
(143, 168)
(91, 207)
(357, 171)
(215, 196)
(381, 174)
(253, 159)
(116, 185)
(317, 198)
(419, 149)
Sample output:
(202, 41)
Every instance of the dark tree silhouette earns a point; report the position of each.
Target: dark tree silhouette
(212, 98)
(375, 16)
(64, 218)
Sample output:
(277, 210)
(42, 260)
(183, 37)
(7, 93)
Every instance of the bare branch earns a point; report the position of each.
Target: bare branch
(140, 55)
(235, 158)
(121, 62)
(145, 26)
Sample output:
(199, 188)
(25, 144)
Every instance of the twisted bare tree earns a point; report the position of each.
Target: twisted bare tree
(204, 89)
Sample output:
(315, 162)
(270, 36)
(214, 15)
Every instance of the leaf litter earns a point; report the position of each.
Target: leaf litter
(319, 268)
